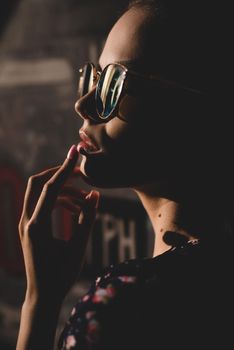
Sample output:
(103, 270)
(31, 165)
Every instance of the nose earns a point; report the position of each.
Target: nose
(85, 106)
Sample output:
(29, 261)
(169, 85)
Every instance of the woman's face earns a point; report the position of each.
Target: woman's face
(133, 153)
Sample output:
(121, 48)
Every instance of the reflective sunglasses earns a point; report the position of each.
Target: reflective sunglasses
(115, 82)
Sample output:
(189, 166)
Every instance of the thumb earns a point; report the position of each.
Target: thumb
(92, 199)
(88, 213)
(79, 240)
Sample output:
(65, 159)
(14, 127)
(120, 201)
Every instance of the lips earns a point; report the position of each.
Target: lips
(87, 144)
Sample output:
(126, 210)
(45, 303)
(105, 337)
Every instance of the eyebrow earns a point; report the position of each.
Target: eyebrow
(131, 64)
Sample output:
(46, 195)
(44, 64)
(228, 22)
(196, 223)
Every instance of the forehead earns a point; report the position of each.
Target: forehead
(126, 38)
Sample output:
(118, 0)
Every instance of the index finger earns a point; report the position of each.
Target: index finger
(33, 190)
(52, 187)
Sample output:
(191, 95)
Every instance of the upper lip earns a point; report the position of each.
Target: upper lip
(88, 139)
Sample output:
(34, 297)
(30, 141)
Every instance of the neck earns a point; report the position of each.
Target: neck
(175, 219)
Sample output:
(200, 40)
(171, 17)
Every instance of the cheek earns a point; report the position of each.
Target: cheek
(130, 138)
(116, 129)
(129, 156)
(123, 139)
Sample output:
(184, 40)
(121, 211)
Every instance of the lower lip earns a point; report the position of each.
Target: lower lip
(83, 149)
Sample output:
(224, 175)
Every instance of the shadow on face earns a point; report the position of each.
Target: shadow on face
(169, 134)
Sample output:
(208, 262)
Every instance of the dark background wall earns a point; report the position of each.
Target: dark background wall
(7, 8)
(43, 43)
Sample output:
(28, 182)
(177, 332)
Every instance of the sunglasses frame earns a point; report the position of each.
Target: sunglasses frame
(130, 86)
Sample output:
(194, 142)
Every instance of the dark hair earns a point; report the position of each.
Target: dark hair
(148, 4)
(190, 50)
(182, 34)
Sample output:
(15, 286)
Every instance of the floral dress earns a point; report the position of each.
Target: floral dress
(135, 302)
(95, 318)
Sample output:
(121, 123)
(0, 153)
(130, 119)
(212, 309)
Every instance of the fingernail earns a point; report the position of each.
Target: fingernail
(72, 152)
(93, 198)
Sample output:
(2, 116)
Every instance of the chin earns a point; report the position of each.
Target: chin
(105, 175)
(98, 174)
(101, 181)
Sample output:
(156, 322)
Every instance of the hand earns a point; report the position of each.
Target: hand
(53, 265)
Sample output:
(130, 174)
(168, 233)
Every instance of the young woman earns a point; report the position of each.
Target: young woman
(148, 124)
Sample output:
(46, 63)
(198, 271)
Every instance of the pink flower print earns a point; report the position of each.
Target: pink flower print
(86, 298)
(100, 296)
(70, 342)
(127, 279)
(98, 280)
(73, 311)
(90, 314)
(107, 275)
(93, 331)
(111, 292)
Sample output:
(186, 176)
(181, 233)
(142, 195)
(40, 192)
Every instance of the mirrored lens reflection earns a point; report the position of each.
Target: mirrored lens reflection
(87, 79)
(109, 89)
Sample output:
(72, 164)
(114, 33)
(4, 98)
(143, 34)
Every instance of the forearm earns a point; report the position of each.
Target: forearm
(38, 325)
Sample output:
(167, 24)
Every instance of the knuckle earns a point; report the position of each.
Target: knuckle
(32, 180)
(20, 228)
(31, 227)
(20, 224)
(27, 228)
(48, 186)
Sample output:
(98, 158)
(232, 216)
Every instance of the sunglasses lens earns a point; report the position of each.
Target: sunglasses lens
(86, 79)
(109, 89)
